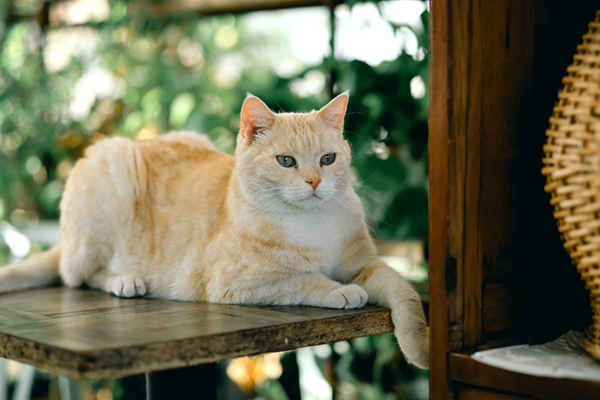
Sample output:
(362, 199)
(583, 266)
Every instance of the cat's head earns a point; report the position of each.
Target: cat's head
(293, 160)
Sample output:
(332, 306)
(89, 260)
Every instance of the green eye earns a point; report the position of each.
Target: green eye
(286, 161)
(328, 159)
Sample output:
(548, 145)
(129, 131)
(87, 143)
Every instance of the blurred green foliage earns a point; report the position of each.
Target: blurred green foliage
(373, 369)
(151, 75)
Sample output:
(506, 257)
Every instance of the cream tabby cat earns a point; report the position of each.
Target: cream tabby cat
(278, 224)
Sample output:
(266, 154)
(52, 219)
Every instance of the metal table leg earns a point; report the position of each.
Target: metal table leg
(191, 383)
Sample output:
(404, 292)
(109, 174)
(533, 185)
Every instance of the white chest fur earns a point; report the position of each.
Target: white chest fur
(324, 231)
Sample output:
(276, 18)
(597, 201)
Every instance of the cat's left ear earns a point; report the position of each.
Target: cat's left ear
(333, 113)
(255, 117)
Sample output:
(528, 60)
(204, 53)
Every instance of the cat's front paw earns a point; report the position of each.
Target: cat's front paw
(415, 346)
(347, 296)
(127, 286)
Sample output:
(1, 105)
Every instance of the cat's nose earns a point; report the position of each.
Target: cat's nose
(314, 182)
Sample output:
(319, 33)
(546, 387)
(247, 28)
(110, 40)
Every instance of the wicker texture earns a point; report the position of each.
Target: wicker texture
(572, 168)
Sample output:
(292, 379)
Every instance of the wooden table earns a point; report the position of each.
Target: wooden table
(86, 334)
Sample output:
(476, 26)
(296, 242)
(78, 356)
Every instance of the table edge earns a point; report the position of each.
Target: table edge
(157, 356)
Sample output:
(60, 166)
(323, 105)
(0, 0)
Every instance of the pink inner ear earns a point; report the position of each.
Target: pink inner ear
(255, 116)
(333, 113)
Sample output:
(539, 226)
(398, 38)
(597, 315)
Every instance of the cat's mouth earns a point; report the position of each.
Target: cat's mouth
(314, 197)
(310, 199)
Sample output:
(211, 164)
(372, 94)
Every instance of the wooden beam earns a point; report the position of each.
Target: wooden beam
(466, 392)
(155, 8)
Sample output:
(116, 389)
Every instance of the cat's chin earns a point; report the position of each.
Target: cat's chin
(312, 201)
(304, 203)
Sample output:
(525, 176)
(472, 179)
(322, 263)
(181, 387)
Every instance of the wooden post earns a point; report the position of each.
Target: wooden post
(438, 201)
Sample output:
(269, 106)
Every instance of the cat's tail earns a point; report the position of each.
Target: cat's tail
(387, 288)
(37, 271)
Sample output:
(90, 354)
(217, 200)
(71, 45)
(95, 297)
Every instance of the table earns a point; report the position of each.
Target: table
(86, 334)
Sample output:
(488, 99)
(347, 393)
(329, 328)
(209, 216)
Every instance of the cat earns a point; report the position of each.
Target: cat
(279, 223)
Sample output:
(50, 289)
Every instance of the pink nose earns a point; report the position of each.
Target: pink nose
(313, 182)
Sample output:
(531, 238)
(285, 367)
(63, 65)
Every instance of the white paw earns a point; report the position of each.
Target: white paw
(127, 286)
(415, 346)
(347, 296)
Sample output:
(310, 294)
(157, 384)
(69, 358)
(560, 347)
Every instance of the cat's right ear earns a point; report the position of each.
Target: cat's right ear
(333, 113)
(255, 117)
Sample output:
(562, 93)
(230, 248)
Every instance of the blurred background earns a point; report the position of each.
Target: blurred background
(74, 72)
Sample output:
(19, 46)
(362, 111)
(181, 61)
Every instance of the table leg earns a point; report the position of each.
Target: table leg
(191, 383)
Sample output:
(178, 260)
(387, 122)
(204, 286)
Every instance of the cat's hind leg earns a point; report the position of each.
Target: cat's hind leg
(78, 261)
(84, 260)
(119, 285)
(97, 209)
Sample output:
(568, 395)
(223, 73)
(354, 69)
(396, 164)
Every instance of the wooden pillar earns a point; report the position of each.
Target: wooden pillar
(439, 262)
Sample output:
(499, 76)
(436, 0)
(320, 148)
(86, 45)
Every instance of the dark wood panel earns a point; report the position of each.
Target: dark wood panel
(508, 305)
(524, 59)
(518, 305)
(85, 334)
(467, 370)
(464, 392)
(506, 60)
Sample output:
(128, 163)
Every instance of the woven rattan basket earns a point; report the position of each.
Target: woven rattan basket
(572, 168)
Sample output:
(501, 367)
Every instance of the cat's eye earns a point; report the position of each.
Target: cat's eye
(328, 159)
(286, 161)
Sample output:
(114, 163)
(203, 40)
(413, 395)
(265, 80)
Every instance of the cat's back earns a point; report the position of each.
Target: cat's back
(185, 168)
(118, 173)
(180, 149)
(180, 146)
